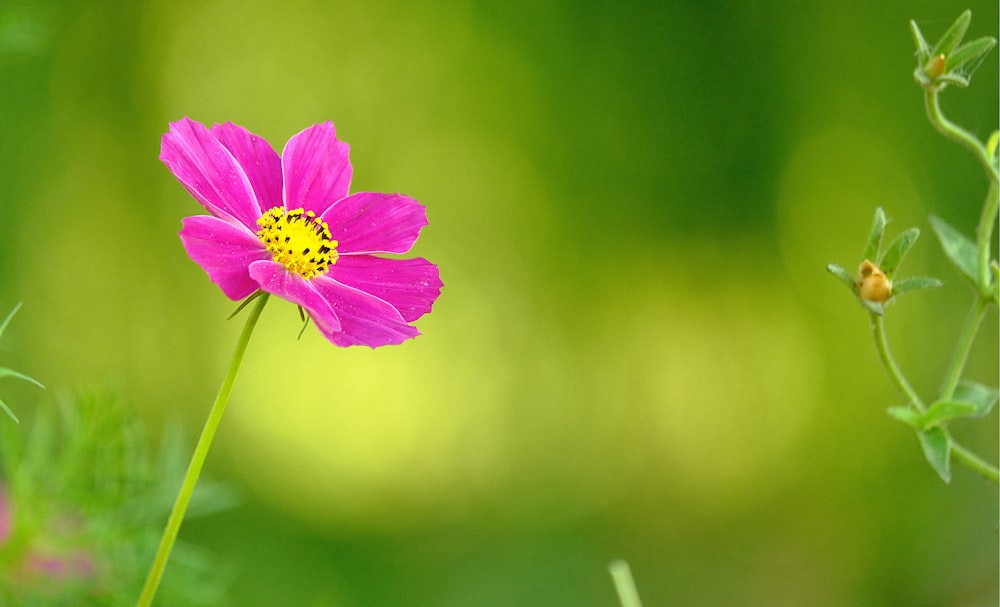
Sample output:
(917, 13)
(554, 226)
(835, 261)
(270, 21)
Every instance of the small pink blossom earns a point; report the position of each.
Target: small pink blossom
(6, 517)
(74, 565)
(287, 225)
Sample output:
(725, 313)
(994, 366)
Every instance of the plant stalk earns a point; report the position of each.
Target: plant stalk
(957, 134)
(984, 236)
(973, 462)
(962, 349)
(889, 362)
(198, 460)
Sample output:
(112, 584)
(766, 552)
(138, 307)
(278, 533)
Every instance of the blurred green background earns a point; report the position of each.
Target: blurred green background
(638, 353)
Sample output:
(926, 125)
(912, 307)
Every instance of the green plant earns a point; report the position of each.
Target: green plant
(948, 62)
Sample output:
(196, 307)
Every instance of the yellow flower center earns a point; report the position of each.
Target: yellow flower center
(299, 240)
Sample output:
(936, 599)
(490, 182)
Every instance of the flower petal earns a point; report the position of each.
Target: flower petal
(367, 222)
(316, 168)
(209, 171)
(257, 159)
(409, 285)
(365, 320)
(225, 251)
(275, 278)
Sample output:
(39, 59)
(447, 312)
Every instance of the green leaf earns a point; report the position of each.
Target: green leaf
(995, 291)
(12, 373)
(6, 321)
(923, 49)
(937, 450)
(874, 307)
(921, 78)
(991, 144)
(7, 410)
(970, 52)
(983, 398)
(914, 283)
(951, 38)
(875, 235)
(897, 251)
(954, 79)
(907, 415)
(944, 411)
(959, 249)
(843, 275)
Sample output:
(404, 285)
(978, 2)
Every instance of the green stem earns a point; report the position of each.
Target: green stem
(973, 462)
(956, 133)
(984, 236)
(984, 241)
(198, 460)
(621, 574)
(962, 348)
(882, 345)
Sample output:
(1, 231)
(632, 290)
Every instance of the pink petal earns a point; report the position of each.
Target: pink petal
(365, 319)
(275, 278)
(409, 285)
(225, 251)
(257, 159)
(209, 172)
(316, 168)
(367, 222)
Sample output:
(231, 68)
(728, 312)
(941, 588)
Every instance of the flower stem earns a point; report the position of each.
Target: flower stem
(973, 462)
(984, 235)
(198, 460)
(962, 348)
(882, 345)
(956, 133)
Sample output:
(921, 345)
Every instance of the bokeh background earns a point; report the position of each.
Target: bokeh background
(638, 353)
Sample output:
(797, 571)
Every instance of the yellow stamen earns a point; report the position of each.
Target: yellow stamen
(299, 240)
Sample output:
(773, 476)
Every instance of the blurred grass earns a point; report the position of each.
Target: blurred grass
(637, 353)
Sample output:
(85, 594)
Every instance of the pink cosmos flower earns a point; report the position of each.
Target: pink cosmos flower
(288, 226)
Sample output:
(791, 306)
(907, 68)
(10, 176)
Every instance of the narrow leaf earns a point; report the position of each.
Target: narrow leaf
(897, 251)
(874, 307)
(245, 302)
(969, 53)
(937, 450)
(951, 38)
(914, 283)
(921, 77)
(991, 144)
(12, 373)
(843, 275)
(3, 325)
(959, 249)
(995, 291)
(6, 409)
(875, 235)
(954, 79)
(983, 398)
(944, 411)
(907, 415)
(923, 49)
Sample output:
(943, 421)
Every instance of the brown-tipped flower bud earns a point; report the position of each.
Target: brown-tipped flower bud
(873, 285)
(936, 66)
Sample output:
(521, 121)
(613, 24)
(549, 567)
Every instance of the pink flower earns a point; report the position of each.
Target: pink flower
(6, 517)
(288, 226)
